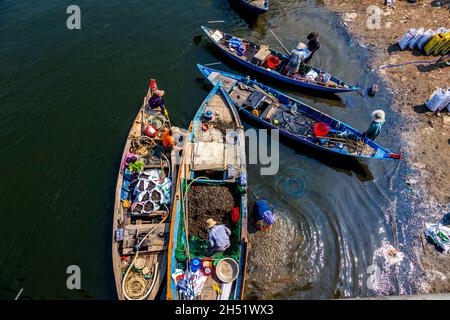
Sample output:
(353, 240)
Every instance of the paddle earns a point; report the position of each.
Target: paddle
(279, 41)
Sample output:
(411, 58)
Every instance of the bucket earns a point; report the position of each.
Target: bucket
(196, 264)
(208, 115)
(150, 130)
(321, 129)
(273, 62)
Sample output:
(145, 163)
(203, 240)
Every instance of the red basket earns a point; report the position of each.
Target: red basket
(321, 129)
(273, 62)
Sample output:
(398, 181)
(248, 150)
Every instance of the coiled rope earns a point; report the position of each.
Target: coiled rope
(134, 285)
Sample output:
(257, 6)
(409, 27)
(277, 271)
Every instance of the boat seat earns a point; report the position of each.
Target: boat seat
(262, 55)
(227, 82)
(240, 96)
(270, 111)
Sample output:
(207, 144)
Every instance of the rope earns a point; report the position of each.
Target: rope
(396, 65)
(132, 263)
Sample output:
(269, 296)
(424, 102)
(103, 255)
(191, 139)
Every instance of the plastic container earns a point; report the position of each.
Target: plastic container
(196, 264)
(321, 129)
(208, 115)
(273, 62)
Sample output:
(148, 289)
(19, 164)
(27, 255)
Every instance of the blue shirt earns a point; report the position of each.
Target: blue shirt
(155, 102)
(219, 236)
(374, 130)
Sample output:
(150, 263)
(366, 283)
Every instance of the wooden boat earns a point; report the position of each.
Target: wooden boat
(255, 6)
(210, 166)
(256, 58)
(141, 229)
(296, 120)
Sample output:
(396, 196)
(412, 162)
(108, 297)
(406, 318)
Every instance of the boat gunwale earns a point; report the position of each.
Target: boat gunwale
(279, 76)
(285, 133)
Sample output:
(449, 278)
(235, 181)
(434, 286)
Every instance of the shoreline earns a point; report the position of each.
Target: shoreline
(424, 135)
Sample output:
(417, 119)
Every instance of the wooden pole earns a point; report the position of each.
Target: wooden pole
(279, 41)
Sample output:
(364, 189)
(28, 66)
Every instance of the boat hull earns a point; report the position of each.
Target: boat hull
(279, 77)
(381, 152)
(253, 9)
(186, 175)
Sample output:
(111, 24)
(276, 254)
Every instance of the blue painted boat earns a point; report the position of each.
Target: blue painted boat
(255, 6)
(255, 57)
(294, 119)
(211, 165)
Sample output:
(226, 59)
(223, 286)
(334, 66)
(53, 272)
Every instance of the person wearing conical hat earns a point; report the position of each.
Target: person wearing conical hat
(218, 236)
(378, 119)
(296, 59)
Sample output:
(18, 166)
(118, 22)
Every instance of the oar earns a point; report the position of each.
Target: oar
(279, 41)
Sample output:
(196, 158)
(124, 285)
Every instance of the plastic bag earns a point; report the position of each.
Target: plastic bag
(427, 35)
(416, 38)
(403, 42)
(438, 100)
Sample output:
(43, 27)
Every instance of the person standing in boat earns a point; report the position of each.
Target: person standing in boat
(156, 101)
(298, 55)
(378, 119)
(218, 237)
(313, 45)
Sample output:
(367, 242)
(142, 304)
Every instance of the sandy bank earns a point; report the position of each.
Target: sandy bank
(426, 135)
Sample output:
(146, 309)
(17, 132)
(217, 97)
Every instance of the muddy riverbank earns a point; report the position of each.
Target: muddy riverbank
(425, 135)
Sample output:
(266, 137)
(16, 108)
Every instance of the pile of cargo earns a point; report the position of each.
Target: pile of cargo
(430, 42)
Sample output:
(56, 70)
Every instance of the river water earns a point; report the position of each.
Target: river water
(67, 100)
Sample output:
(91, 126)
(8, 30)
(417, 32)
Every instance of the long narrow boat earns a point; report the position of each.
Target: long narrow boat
(256, 57)
(294, 119)
(141, 222)
(255, 6)
(212, 184)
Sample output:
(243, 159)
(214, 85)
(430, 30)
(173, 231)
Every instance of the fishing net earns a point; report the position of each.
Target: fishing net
(294, 123)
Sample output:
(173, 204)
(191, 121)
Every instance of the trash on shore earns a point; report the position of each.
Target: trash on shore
(439, 233)
(390, 254)
(431, 42)
(439, 100)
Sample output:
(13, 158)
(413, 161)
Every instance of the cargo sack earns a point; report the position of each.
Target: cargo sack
(438, 100)
(149, 207)
(416, 38)
(137, 208)
(427, 35)
(143, 196)
(446, 49)
(404, 41)
(433, 43)
(443, 43)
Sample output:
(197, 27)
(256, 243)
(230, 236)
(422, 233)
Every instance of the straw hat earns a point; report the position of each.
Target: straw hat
(159, 93)
(378, 116)
(211, 223)
(301, 46)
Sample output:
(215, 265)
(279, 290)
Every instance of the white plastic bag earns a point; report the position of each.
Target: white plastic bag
(403, 42)
(438, 100)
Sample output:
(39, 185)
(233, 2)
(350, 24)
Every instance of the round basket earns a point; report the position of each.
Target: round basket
(227, 270)
(139, 264)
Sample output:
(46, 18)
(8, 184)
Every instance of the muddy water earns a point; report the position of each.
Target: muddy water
(67, 102)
